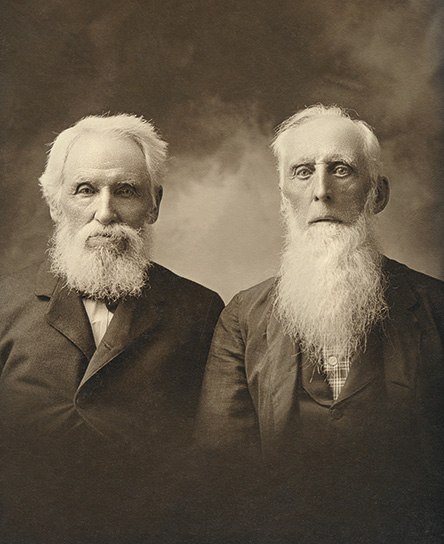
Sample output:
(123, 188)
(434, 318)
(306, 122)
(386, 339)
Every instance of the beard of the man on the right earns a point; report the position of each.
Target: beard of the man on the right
(330, 291)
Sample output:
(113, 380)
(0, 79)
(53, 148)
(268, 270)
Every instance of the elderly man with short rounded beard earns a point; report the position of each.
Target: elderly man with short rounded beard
(332, 371)
(102, 352)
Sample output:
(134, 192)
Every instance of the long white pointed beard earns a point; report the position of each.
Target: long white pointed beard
(330, 291)
(102, 261)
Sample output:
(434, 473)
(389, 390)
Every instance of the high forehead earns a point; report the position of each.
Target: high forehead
(322, 137)
(91, 151)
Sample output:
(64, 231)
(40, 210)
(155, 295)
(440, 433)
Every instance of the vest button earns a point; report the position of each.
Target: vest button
(332, 360)
(336, 413)
(81, 401)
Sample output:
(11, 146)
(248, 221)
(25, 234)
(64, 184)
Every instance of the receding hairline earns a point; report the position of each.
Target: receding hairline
(89, 146)
(350, 122)
(81, 130)
(84, 134)
(314, 113)
(370, 143)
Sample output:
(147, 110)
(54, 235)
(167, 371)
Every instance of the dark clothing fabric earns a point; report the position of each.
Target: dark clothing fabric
(367, 467)
(95, 441)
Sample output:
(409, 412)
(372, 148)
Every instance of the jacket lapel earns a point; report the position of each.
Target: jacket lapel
(364, 368)
(402, 335)
(65, 311)
(133, 318)
(281, 358)
(387, 351)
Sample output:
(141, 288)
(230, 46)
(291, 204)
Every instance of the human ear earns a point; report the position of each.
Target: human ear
(54, 212)
(382, 195)
(153, 214)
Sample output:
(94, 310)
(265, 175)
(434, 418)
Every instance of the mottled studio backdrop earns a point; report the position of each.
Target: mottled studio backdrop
(216, 76)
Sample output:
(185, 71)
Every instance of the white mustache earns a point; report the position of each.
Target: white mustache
(115, 236)
(92, 230)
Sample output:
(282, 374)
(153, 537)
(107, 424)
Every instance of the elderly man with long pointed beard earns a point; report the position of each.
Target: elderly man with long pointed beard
(333, 370)
(102, 352)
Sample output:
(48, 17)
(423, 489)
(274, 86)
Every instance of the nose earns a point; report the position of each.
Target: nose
(105, 212)
(321, 185)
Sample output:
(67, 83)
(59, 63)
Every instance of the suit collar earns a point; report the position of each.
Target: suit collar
(387, 351)
(65, 312)
(400, 294)
(401, 333)
(282, 369)
(133, 317)
(46, 282)
(314, 381)
(364, 368)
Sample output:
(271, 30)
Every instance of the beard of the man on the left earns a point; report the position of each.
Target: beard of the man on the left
(102, 262)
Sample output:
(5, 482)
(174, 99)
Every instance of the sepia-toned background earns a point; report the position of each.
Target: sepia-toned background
(216, 76)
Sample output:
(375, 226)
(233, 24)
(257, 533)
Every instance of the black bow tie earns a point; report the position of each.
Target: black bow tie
(111, 305)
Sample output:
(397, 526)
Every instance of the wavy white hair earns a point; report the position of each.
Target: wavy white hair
(139, 130)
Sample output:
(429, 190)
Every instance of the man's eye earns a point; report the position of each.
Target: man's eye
(126, 190)
(84, 190)
(342, 170)
(302, 172)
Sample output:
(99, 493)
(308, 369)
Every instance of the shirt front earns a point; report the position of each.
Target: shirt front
(99, 316)
(336, 369)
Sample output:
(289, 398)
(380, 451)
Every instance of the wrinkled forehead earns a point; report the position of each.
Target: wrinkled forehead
(105, 151)
(320, 138)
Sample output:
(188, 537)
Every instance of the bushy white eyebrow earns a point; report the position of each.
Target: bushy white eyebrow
(333, 159)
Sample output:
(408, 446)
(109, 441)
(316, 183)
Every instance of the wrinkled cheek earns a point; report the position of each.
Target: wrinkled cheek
(351, 210)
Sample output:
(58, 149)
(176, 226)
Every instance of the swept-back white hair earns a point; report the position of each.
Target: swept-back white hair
(372, 149)
(139, 130)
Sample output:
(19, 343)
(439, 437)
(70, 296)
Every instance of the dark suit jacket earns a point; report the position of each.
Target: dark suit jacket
(390, 411)
(93, 429)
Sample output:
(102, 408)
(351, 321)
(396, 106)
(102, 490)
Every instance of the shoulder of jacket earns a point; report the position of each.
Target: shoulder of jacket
(426, 288)
(254, 302)
(416, 279)
(170, 282)
(259, 292)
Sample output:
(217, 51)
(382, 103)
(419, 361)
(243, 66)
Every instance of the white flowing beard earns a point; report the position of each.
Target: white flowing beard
(102, 261)
(330, 291)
